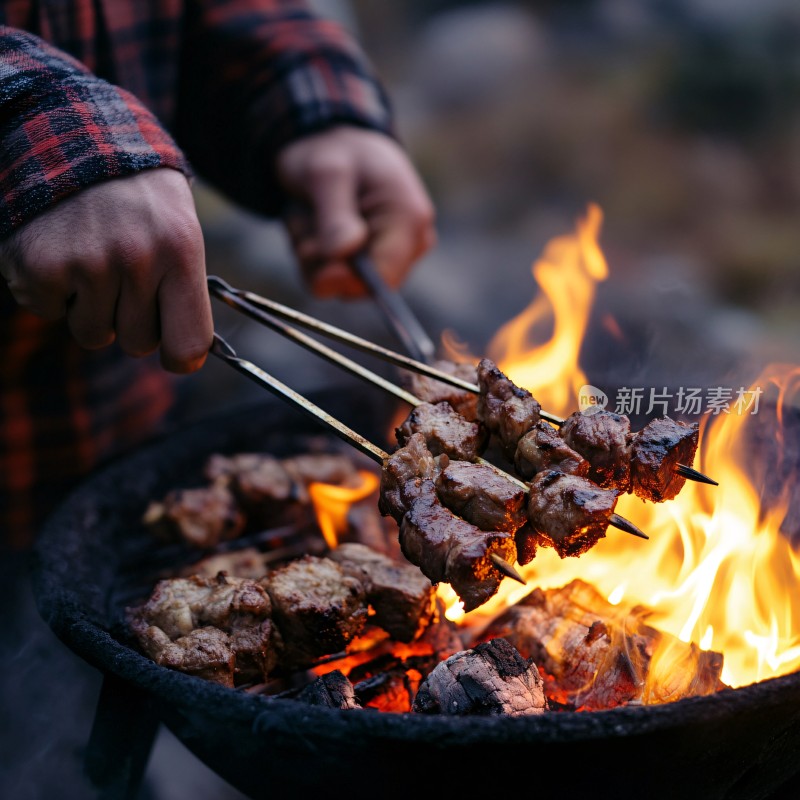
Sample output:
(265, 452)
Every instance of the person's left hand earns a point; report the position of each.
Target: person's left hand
(353, 189)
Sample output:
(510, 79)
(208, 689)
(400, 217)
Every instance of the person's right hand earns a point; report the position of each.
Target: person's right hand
(124, 260)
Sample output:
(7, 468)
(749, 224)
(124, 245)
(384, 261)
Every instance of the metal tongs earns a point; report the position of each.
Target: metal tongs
(396, 311)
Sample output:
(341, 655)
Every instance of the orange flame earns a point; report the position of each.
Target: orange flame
(332, 502)
(717, 571)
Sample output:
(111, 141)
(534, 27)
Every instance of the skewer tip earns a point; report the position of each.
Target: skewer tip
(506, 568)
(625, 525)
(693, 475)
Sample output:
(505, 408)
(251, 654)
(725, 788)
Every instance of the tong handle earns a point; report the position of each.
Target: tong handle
(398, 314)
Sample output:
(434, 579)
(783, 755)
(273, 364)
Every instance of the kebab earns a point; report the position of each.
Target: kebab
(600, 446)
(475, 564)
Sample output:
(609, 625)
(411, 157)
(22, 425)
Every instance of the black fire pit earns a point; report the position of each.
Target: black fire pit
(740, 743)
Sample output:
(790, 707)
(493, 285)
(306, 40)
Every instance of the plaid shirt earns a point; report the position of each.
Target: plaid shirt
(94, 98)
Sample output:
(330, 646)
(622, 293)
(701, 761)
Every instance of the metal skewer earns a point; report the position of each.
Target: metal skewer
(320, 349)
(221, 349)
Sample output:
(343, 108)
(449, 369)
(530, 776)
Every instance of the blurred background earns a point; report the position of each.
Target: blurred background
(679, 118)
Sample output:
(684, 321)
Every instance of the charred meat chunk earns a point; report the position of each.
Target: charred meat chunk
(432, 391)
(492, 679)
(317, 607)
(448, 549)
(541, 448)
(200, 517)
(595, 655)
(445, 431)
(265, 486)
(445, 547)
(204, 653)
(569, 513)
(657, 449)
(507, 411)
(236, 607)
(309, 468)
(245, 563)
(604, 439)
(402, 597)
(478, 494)
(403, 473)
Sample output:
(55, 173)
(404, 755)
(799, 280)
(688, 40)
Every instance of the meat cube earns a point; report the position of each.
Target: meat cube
(317, 608)
(541, 448)
(205, 652)
(445, 431)
(478, 494)
(430, 390)
(237, 607)
(505, 409)
(492, 679)
(310, 468)
(402, 597)
(449, 549)
(403, 473)
(245, 563)
(568, 512)
(657, 449)
(604, 439)
(200, 517)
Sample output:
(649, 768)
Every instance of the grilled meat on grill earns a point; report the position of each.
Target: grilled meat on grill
(430, 390)
(445, 431)
(604, 439)
(402, 597)
(481, 496)
(541, 448)
(167, 626)
(317, 607)
(595, 655)
(490, 680)
(201, 517)
(265, 485)
(505, 409)
(657, 449)
(568, 512)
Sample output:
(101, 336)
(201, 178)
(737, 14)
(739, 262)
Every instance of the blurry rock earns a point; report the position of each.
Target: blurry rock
(467, 55)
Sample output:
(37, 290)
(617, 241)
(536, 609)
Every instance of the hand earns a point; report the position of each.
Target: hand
(353, 189)
(123, 260)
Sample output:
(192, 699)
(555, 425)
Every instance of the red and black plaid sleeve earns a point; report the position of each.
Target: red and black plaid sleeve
(63, 129)
(257, 74)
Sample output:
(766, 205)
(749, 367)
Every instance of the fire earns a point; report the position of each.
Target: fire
(717, 571)
(331, 504)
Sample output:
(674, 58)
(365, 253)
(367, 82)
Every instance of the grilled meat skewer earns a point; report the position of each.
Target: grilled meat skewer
(444, 546)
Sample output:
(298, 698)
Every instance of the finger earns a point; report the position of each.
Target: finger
(90, 311)
(399, 239)
(184, 309)
(339, 230)
(136, 319)
(42, 290)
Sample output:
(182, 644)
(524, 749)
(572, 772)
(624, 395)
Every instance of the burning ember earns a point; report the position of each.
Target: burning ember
(717, 571)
